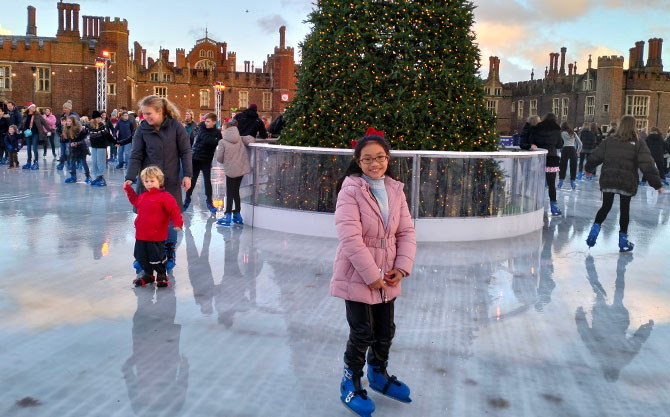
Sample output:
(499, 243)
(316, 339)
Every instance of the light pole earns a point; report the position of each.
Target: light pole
(218, 90)
(101, 81)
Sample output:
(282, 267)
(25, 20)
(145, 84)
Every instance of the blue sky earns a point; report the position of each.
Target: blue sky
(521, 32)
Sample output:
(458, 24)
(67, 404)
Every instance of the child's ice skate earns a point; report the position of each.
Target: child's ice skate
(353, 396)
(390, 386)
(144, 280)
(162, 280)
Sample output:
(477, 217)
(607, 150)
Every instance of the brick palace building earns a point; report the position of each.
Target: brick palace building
(51, 70)
(601, 95)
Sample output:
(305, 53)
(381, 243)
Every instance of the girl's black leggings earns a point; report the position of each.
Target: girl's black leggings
(624, 204)
(583, 157)
(551, 183)
(233, 194)
(568, 154)
(371, 331)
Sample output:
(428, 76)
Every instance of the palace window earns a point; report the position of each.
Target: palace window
(533, 108)
(167, 78)
(203, 54)
(492, 106)
(555, 105)
(210, 54)
(153, 76)
(111, 89)
(160, 91)
(498, 91)
(588, 84)
(244, 99)
(112, 57)
(564, 108)
(590, 109)
(204, 98)
(519, 110)
(5, 77)
(267, 101)
(487, 91)
(43, 79)
(638, 107)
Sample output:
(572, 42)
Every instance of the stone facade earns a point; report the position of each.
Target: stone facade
(51, 70)
(601, 95)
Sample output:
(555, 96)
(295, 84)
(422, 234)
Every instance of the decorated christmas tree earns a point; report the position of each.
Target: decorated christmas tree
(408, 67)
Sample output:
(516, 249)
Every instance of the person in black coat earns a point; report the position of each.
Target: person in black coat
(589, 138)
(621, 155)
(249, 124)
(15, 117)
(277, 125)
(657, 148)
(4, 128)
(547, 135)
(203, 154)
(162, 140)
(526, 131)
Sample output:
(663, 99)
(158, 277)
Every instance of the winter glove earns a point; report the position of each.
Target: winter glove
(10, 147)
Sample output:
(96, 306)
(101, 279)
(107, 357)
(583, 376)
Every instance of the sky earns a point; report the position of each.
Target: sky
(521, 33)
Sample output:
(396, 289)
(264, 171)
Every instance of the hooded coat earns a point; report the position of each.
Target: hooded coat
(232, 152)
(249, 123)
(164, 148)
(621, 160)
(366, 246)
(547, 135)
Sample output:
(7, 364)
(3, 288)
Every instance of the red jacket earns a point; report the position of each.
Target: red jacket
(155, 209)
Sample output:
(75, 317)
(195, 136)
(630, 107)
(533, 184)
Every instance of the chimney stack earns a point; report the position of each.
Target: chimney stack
(632, 60)
(532, 74)
(639, 54)
(654, 59)
(589, 61)
(31, 30)
(563, 51)
(551, 63)
(556, 63)
(282, 37)
(570, 66)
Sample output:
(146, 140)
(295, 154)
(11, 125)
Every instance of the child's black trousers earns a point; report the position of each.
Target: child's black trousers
(151, 256)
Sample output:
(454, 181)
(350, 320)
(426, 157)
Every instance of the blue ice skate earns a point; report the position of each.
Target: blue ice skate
(624, 244)
(555, 212)
(353, 396)
(390, 386)
(170, 257)
(225, 220)
(560, 184)
(237, 218)
(137, 266)
(593, 235)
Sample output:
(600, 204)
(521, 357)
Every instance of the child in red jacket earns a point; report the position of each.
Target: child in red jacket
(155, 210)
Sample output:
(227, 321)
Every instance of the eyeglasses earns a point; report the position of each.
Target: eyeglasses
(379, 160)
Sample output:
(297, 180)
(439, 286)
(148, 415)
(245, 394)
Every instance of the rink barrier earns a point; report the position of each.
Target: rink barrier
(452, 196)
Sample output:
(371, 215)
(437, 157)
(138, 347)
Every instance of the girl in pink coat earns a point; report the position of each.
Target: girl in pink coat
(376, 251)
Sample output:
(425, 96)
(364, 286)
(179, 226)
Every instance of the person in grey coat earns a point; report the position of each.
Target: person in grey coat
(161, 140)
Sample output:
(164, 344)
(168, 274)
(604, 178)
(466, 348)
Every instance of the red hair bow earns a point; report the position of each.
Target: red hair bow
(372, 131)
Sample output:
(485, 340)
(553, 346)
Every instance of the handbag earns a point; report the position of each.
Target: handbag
(28, 133)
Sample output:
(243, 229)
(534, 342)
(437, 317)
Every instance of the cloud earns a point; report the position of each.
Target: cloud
(562, 10)
(4, 31)
(302, 5)
(271, 24)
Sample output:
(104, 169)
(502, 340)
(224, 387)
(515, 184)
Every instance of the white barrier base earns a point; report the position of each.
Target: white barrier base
(457, 229)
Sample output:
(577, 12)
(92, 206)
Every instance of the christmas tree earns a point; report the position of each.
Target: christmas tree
(408, 67)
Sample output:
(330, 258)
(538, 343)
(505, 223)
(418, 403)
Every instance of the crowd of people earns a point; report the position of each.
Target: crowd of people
(623, 153)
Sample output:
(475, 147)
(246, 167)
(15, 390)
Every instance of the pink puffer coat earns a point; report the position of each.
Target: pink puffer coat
(365, 245)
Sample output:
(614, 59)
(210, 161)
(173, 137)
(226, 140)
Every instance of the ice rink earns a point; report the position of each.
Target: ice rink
(532, 326)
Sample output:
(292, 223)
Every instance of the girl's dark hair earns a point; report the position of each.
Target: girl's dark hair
(550, 117)
(354, 168)
(565, 127)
